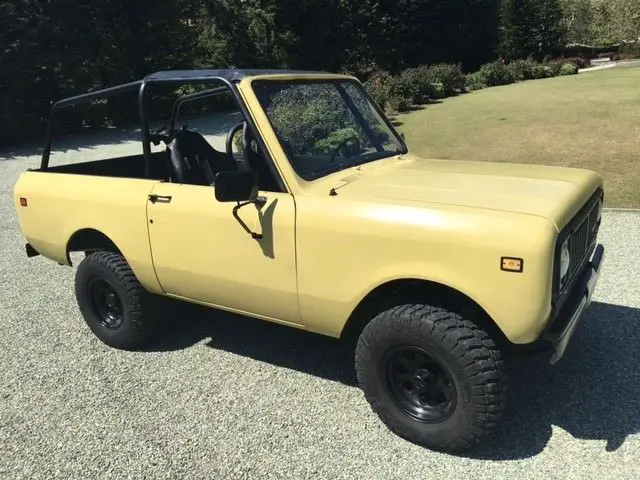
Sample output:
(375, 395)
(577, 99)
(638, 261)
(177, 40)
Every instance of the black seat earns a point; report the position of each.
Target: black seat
(194, 160)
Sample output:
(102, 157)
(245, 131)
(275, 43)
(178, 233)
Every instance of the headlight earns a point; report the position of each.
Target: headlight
(565, 261)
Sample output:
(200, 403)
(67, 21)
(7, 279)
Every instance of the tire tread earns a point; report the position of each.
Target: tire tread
(476, 353)
(142, 314)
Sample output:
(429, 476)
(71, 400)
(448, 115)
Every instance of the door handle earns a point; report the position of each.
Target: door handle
(160, 198)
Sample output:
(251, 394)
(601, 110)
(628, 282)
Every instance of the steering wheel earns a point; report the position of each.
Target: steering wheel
(231, 134)
(342, 144)
(159, 135)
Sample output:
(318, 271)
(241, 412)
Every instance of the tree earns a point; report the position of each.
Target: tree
(531, 28)
(396, 34)
(624, 18)
(578, 18)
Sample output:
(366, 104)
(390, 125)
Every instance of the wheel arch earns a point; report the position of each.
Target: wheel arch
(88, 240)
(414, 290)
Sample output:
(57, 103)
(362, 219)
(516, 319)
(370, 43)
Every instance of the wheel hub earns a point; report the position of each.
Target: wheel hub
(107, 304)
(420, 385)
(421, 378)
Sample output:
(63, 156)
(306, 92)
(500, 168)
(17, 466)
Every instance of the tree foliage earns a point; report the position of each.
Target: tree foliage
(50, 50)
(55, 49)
(531, 28)
(601, 22)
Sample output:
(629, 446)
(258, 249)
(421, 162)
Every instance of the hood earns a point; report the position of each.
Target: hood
(555, 193)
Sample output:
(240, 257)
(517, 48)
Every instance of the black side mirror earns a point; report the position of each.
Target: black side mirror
(236, 186)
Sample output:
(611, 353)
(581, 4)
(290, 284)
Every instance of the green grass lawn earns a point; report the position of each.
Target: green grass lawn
(590, 120)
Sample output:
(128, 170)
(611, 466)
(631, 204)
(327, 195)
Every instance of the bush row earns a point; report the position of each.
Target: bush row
(397, 93)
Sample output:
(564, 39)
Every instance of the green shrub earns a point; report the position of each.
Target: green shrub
(631, 50)
(438, 90)
(409, 84)
(623, 56)
(449, 75)
(496, 73)
(580, 62)
(542, 71)
(436, 81)
(421, 83)
(476, 81)
(521, 70)
(568, 69)
(550, 71)
(397, 104)
(555, 66)
(335, 138)
(303, 114)
(392, 93)
(379, 86)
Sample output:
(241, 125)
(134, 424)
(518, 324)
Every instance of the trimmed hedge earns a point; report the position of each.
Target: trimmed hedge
(568, 69)
(630, 50)
(580, 62)
(418, 85)
(623, 56)
(476, 81)
(379, 87)
(396, 93)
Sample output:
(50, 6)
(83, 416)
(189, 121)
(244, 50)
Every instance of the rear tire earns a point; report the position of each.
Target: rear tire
(432, 377)
(115, 306)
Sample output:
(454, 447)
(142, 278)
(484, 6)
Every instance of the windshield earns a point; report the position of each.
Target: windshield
(326, 125)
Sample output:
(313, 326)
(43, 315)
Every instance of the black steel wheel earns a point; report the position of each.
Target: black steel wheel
(431, 376)
(115, 306)
(106, 304)
(420, 385)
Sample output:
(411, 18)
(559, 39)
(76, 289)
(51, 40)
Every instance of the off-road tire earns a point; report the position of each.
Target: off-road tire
(139, 319)
(465, 352)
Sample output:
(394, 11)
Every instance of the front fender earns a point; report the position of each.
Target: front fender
(345, 252)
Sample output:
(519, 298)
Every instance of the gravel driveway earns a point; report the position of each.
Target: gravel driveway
(228, 397)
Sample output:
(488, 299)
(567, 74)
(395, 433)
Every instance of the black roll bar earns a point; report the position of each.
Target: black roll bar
(190, 97)
(192, 79)
(199, 80)
(78, 99)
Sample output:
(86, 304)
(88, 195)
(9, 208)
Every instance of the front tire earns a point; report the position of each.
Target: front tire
(115, 306)
(432, 377)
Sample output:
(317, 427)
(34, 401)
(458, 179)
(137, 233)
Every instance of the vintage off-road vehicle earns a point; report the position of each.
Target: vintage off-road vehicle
(314, 214)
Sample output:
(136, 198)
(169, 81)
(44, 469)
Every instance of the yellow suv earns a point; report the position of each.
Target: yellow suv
(289, 197)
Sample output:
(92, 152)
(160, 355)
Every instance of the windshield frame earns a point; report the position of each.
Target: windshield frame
(341, 83)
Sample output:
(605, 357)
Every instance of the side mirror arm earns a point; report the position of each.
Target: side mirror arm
(259, 202)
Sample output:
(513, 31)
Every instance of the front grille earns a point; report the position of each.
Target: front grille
(583, 230)
(579, 245)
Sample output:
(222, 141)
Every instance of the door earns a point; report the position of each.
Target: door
(204, 252)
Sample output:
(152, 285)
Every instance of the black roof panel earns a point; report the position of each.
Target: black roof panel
(196, 75)
(228, 74)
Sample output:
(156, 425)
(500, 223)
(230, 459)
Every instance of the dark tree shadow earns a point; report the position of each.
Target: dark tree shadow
(20, 151)
(593, 393)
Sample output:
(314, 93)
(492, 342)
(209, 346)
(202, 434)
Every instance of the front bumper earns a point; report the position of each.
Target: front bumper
(564, 322)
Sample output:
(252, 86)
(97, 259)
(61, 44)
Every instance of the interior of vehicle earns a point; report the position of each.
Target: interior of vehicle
(193, 160)
(188, 157)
